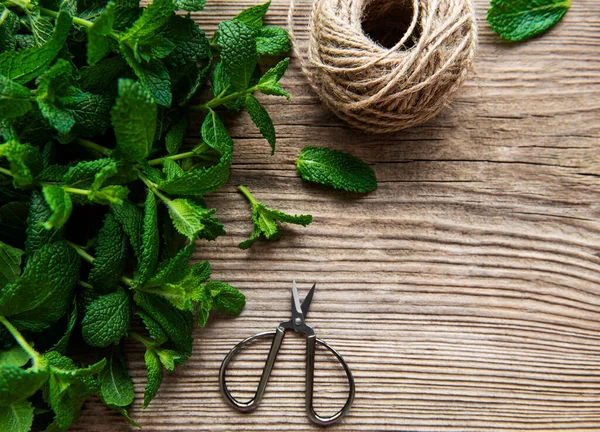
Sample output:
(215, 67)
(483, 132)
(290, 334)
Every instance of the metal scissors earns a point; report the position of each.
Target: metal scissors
(297, 324)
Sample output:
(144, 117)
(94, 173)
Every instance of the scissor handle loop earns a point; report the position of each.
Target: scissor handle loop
(311, 342)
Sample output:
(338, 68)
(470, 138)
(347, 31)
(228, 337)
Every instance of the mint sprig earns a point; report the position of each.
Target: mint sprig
(102, 196)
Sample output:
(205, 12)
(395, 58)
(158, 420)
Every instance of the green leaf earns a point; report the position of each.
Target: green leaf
(253, 16)
(173, 269)
(17, 384)
(15, 100)
(191, 45)
(154, 329)
(262, 120)
(225, 298)
(37, 235)
(189, 219)
(102, 77)
(175, 135)
(24, 65)
(60, 204)
(155, 376)
(272, 40)
(61, 345)
(107, 319)
(16, 417)
(265, 220)
(111, 256)
(130, 217)
(117, 386)
(336, 169)
(517, 20)
(98, 34)
(150, 241)
(15, 356)
(238, 52)
(44, 291)
(68, 388)
(9, 27)
(190, 5)
(134, 120)
(153, 75)
(176, 324)
(153, 18)
(10, 264)
(214, 133)
(25, 161)
(269, 82)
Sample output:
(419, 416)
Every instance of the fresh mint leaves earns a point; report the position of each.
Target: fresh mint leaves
(102, 196)
(337, 169)
(266, 221)
(517, 20)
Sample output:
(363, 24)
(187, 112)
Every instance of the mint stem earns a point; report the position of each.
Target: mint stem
(141, 339)
(219, 100)
(21, 341)
(82, 252)
(6, 172)
(153, 187)
(244, 190)
(95, 147)
(159, 161)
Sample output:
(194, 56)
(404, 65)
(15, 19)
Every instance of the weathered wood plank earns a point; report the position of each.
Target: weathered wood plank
(465, 292)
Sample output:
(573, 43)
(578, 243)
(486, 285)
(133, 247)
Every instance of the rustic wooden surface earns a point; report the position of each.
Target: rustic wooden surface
(464, 293)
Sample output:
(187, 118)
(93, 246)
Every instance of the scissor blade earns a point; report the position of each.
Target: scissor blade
(307, 301)
(296, 307)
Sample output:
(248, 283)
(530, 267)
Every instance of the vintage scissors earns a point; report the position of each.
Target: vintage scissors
(297, 324)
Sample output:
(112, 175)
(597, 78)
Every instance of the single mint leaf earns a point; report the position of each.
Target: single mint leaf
(60, 204)
(25, 161)
(15, 100)
(9, 29)
(116, 384)
(24, 65)
(153, 18)
(150, 241)
(98, 34)
(10, 264)
(102, 77)
(44, 291)
(172, 169)
(336, 169)
(16, 417)
(266, 220)
(190, 219)
(225, 298)
(134, 120)
(272, 40)
(17, 384)
(61, 345)
(191, 45)
(86, 173)
(262, 120)
(173, 269)
(130, 217)
(155, 330)
(269, 82)
(14, 356)
(175, 135)
(253, 16)
(238, 52)
(37, 235)
(107, 319)
(517, 20)
(190, 5)
(111, 255)
(214, 133)
(153, 75)
(155, 376)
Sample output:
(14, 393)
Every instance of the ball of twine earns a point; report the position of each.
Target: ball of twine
(381, 71)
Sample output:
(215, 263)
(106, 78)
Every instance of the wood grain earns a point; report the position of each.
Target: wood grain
(464, 293)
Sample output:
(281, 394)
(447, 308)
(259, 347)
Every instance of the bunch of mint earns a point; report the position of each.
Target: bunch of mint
(101, 201)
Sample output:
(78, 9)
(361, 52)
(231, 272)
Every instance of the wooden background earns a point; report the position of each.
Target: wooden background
(464, 293)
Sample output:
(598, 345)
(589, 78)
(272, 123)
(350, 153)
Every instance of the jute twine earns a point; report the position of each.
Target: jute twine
(381, 89)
